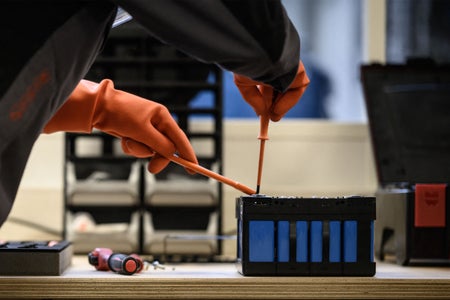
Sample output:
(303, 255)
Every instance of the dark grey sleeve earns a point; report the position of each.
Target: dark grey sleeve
(46, 61)
(254, 38)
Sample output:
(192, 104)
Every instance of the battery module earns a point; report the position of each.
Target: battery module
(41, 258)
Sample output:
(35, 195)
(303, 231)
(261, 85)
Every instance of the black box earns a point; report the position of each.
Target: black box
(41, 258)
(408, 108)
(291, 236)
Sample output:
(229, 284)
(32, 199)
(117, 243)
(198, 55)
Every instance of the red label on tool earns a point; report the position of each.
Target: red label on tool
(430, 205)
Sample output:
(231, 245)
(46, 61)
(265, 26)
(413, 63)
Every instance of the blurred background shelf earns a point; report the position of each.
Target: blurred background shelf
(104, 188)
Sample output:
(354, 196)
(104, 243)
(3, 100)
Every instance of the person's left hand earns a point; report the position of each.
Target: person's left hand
(145, 127)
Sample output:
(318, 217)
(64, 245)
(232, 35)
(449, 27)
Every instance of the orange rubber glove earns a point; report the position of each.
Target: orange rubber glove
(261, 96)
(146, 128)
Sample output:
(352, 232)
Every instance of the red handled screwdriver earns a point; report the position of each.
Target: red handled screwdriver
(103, 259)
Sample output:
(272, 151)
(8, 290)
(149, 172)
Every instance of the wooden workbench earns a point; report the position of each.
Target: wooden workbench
(222, 281)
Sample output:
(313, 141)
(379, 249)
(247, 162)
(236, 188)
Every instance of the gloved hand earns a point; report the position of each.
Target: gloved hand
(266, 101)
(146, 128)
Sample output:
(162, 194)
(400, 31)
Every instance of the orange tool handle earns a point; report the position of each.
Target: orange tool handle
(264, 120)
(208, 173)
(263, 127)
(263, 136)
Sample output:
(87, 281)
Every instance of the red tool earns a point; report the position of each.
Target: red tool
(99, 258)
(263, 136)
(201, 170)
(103, 259)
(125, 264)
(264, 120)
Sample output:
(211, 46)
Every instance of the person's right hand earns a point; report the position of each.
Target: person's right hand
(145, 127)
(268, 102)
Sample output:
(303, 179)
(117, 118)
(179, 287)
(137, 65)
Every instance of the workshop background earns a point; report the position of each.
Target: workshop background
(322, 148)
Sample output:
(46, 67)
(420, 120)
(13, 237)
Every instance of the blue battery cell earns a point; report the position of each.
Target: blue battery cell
(350, 241)
(301, 229)
(316, 241)
(261, 241)
(335, 241)
(283, 241)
